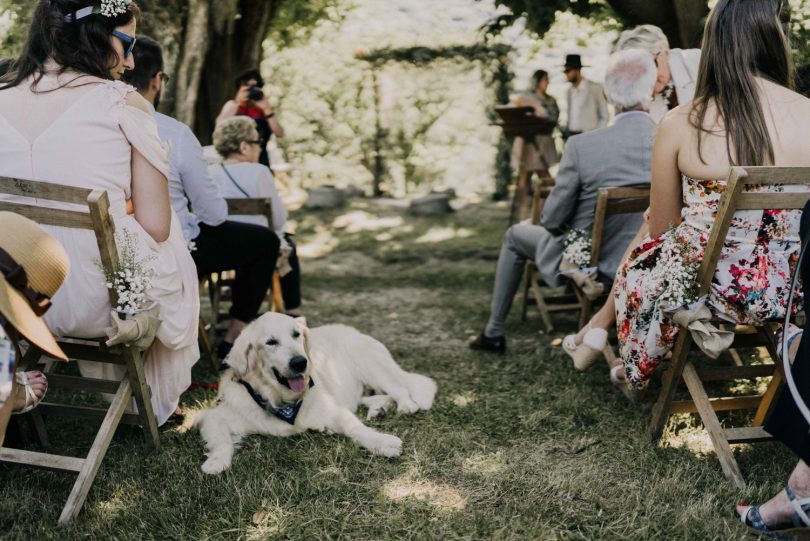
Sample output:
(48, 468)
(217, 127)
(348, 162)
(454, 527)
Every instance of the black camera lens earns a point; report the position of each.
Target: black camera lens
(255, 93)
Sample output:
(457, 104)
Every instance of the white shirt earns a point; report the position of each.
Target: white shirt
(578, 96)
(249, 180)
(189, 181)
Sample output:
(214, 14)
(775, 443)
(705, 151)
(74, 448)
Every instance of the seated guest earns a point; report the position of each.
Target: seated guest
(218, 244)
(241, 175)
(747, 116)
(32, 267)
(677, 72)
(71, 121)
(618, 155)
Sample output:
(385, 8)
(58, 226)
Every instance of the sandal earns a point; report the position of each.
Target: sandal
(31, 399)
(799, 530)
(585, 354)
(617, 378)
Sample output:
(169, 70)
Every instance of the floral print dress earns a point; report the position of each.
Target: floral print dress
(750, 285)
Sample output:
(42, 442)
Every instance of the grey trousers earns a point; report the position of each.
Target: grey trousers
(519, 245)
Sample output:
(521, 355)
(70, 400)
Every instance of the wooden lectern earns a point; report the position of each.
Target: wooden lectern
(522, 122)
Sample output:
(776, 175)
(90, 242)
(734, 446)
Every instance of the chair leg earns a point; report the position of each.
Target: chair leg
(278, 299)
(671, 378)
(206, 349)
(545, 315)
(142, 393)
(707, 414)
(215, 294)
(97, 451)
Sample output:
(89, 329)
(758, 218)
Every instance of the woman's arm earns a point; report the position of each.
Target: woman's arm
(228, 110)
(150, 188)
(666, 199)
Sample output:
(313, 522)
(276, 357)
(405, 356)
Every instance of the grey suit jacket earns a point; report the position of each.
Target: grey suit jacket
(619, 155)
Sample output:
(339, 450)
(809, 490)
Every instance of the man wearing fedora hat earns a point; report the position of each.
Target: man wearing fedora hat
(587, 108)
(32, 267)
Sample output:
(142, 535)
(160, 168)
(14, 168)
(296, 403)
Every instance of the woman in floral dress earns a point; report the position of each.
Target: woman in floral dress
(744, 113)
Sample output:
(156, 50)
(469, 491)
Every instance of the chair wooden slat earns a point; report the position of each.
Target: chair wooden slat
(780, 200)
(48, 216)
(44, 190)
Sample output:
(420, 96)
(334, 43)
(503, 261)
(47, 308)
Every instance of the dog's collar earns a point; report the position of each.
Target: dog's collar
(287, 412)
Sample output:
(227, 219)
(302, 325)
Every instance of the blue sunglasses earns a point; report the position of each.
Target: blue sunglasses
(127, 40)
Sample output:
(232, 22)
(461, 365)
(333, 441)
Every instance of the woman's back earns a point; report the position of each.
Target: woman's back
(787, 116)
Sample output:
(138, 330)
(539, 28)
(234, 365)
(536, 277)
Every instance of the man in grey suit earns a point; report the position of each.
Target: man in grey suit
(587, 109)
(619, 155)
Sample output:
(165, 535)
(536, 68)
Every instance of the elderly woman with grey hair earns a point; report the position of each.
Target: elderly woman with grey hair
(240, 175)
(677, 68)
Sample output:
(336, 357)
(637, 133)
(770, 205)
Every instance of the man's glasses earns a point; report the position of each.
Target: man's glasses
(253, 142)
(127, 40)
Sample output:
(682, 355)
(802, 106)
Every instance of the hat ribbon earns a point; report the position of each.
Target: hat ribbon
(16, 276)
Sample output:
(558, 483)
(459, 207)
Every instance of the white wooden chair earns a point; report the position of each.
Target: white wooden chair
(133, 384)
(682, 369)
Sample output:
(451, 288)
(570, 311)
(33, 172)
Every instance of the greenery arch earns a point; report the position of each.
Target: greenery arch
(495, 63)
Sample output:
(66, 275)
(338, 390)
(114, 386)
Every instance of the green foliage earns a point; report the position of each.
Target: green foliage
(15, 16)
(294, 20)
(541, 15)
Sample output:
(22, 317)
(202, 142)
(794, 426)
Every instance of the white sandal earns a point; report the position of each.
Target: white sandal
(592, 346)
(31, 399)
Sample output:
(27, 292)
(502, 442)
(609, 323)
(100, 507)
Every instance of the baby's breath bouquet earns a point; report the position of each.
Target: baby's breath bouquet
(679, 273)
(133, 278)
(578, 248)
(576, 260)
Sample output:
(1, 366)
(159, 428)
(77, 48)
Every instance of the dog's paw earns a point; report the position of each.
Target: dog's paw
(406, 405)
(386, 445)
(215, 465)
(376, 404)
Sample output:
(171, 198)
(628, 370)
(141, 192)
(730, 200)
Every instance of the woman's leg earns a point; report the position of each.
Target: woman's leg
(291, 283)
(605, 318)
(778, 511)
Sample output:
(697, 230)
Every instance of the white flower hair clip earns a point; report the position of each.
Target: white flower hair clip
(107, 8)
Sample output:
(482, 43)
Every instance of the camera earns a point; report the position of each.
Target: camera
(255, 93)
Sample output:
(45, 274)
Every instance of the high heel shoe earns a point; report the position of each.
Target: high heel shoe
(617, 378)
(585, 354)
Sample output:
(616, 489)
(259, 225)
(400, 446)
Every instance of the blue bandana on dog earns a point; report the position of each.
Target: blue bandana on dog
(287, 412)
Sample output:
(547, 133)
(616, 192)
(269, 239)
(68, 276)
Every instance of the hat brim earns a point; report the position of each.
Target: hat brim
(16, 310)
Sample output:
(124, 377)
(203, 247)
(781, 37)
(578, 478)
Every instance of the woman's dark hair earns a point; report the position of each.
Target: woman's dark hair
(538, 76)
(148, 57)
(249, 75)
(82, 46)
(743, 40)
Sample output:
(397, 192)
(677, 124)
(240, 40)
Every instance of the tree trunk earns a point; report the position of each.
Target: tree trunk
(681, 20)
(205, 44)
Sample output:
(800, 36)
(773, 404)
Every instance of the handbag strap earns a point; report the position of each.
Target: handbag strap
(238, 187)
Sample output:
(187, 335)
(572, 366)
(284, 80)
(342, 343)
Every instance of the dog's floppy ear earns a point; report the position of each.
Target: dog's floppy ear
(305, 335)
(243, 354)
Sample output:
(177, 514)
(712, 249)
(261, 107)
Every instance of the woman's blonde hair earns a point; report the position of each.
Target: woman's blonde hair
(646, 36)
(229, 134)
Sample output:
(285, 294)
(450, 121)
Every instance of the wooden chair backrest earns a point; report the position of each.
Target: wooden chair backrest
(611, 201)
(735, 198)
(97, 219)
(258, 206)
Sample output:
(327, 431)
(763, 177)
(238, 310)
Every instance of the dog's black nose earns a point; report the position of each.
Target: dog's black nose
(298, 363)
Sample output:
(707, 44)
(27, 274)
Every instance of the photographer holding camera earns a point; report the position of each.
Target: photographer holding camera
(251, 101)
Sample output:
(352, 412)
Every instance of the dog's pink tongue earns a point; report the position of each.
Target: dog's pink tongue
(297, 384)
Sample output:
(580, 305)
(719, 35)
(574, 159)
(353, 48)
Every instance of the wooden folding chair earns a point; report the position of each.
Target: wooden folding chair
(218, 280)
(609, 202)
(98, 221)
(532, 286)
(735, 197)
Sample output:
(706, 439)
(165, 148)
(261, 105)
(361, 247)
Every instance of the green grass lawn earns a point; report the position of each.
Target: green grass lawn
(515, 447)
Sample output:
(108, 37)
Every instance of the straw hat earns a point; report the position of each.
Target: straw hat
(32, 267)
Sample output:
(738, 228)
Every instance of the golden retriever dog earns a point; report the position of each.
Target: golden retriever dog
(283, 379)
